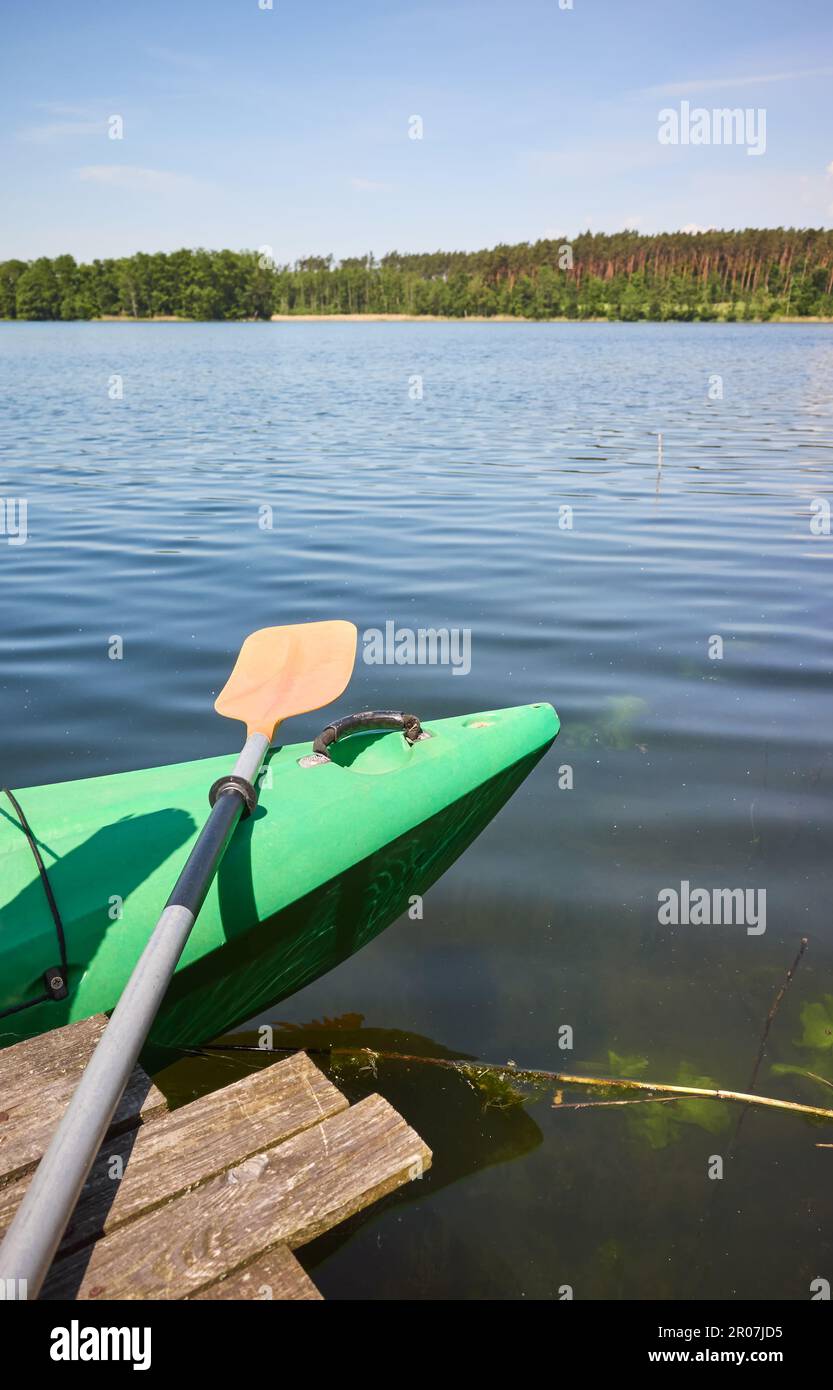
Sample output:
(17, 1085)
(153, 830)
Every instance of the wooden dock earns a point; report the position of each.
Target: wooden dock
(207, 1201)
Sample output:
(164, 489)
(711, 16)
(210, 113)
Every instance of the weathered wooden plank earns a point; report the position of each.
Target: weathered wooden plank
(277, 1275)
(191, 1145)
(285, 1196)
(37, 1078)
(52, 1054)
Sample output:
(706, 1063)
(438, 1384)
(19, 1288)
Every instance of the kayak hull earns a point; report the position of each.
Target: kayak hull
(331, 856)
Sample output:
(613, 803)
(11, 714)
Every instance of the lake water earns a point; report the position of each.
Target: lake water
(519, 498)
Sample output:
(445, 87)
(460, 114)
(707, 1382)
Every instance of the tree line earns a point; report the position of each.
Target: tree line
(751, 274)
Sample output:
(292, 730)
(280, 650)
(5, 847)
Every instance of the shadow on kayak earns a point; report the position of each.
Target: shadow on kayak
(87, 877)
(260, 964)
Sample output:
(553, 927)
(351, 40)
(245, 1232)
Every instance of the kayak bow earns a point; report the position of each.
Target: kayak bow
(340, 840)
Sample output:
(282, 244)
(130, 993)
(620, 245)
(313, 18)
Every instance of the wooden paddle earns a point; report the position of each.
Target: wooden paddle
(280, 671)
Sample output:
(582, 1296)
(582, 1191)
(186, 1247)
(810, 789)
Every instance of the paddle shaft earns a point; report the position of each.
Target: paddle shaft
(41, 1219)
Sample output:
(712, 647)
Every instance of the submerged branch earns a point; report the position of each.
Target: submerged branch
(774, 1007)
(475, 1071)
(701, 1092)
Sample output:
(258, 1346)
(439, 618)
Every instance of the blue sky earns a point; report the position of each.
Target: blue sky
(288, 128)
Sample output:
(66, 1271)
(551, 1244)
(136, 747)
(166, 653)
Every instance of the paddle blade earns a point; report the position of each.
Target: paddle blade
(283, 671)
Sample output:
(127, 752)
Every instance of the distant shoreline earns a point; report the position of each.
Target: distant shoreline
(756, 274)
(417, 318)
(517, 318)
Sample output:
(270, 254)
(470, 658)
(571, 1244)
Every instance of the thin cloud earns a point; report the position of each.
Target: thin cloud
(705, 84)
(62, 108)
(600, 157)
(189, 62)
(370, 186)
(61, 130)
(135, 179)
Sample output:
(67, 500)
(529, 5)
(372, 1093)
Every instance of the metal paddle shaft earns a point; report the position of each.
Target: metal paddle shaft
(280, 671)
(41, 1219)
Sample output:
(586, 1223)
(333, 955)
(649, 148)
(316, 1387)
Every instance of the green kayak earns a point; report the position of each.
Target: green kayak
(337, 848)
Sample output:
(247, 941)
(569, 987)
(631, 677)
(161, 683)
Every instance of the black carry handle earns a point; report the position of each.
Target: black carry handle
(368, 719)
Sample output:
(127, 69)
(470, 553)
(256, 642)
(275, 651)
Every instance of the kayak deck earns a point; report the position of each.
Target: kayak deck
(331, 856)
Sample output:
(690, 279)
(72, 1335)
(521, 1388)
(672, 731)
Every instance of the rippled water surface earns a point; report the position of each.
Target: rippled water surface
(520, 498)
